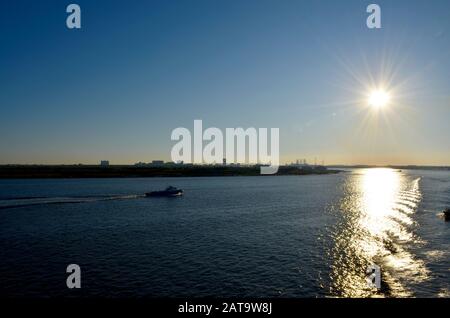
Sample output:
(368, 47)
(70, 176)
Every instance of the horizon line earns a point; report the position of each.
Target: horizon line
(141, 164)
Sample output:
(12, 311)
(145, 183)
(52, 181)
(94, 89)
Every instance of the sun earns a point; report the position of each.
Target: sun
(379, 99)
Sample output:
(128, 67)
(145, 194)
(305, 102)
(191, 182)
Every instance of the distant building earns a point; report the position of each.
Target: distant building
(300, 163)
(104, 163)
(157, 162)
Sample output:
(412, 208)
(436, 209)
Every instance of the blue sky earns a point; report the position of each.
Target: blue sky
(137, 70)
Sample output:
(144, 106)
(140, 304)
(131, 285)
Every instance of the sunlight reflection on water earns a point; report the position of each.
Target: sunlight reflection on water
(376, 228)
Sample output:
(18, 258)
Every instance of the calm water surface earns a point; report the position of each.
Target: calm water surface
(287, 236)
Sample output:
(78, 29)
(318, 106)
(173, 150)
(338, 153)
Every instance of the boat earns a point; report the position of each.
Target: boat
(168, 192)
(446, 213)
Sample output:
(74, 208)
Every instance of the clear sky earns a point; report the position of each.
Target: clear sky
(139, 69)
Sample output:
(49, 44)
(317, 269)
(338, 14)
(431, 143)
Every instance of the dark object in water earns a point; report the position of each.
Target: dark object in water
(446, 214)
(168, 192)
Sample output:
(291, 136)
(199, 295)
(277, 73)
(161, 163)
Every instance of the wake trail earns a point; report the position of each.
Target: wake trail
(20, 202)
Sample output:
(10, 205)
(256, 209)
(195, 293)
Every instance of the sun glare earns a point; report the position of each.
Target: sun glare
(379, 99)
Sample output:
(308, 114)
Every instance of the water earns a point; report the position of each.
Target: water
(286, 236)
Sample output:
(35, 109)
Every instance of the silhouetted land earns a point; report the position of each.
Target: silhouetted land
(86, 171)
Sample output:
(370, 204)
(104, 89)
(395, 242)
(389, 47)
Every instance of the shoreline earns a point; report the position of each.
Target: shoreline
(85, 171)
